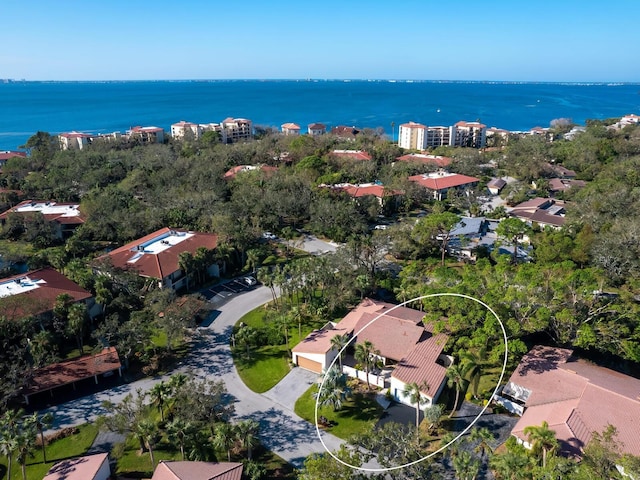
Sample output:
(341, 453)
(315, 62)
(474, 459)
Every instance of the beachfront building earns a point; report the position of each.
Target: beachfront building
(469, 134)
(290, 128)
(315, 129)
(65, 217)
(412, 136)
(407, 350)
(440, 182)
(237, 129)
(437, 136)
(157, 255)
(146, 135)
(182, 128)
(74, 140)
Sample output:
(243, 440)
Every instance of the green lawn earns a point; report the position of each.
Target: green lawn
(134, 464)
(72, 446)
(268, 364)
(357, 415)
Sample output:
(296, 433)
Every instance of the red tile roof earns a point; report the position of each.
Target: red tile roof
(162, 264)
(420, 365)
(290, 126)
(462, 123)
(76, 135)
(167, 470)
(317, 126)
(393, 337)
(443, 181)
(232, 172)
(413, 125)
(80, 468)
(428, 159)
(357, 191)
(62, 213)
(7, 154)
(70, 371)
(33, 301)
(577, 398)
(351, 154)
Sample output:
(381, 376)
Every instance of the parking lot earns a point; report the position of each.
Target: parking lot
(229, 288)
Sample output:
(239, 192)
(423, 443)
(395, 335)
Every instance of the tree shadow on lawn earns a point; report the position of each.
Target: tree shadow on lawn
(361, 408)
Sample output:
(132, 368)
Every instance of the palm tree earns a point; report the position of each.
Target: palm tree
(363, 354)
(338, 342)
(186, 264)
(466, 466)
(472, 365)
(247, 434)
(147, 431)
(179, 431)
(75, 323)
(335, 389)
(455, 378)
(483, 436)
(224, 438)
(413, 391)
(160, 394)
(542, 438)
(8, 446)
(25, 443)
(42, 422)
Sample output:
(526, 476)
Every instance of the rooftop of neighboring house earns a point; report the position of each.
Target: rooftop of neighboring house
(317, 126)
(157, 254)
(232, 172)
(351, 154)
(464, 124)
(70, 371)
(182, 123)
(442, 180)
(496, 183)
(35, 292)
(290, 126)
(576, 398)
(436, 160)
(545, 211)
(79, 468)
(63, 213)
(7, 154)
(562, 184)
(561, 171)
(75, 134)
(344, 131)
(167, 470)
(365, 189)
(413, 125)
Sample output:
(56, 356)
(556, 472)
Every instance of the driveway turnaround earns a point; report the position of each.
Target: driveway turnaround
(282, 431)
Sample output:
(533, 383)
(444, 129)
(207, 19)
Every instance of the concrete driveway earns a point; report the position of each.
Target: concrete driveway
(313, 245)
(291, 387)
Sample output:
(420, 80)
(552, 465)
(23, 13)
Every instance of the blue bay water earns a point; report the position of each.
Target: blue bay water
(103, 107)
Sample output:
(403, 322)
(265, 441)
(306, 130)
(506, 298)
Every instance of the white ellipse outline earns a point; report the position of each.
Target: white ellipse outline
(495, 391)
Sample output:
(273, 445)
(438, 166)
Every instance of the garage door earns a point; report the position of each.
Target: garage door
(310, 364)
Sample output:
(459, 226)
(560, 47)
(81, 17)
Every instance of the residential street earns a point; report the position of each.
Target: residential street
(281, 430)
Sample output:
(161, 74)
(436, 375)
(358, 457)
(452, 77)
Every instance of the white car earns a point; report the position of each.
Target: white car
(269, 236)
(249, 281)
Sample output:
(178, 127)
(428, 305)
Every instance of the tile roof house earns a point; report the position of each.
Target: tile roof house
(382, 194)
(157, 255)
(290, 128)
(35, 293)
(543, 211)
(315, 129)
(344, 132)
(232, 172)
(147, 134)
(575, 397)
(563, 184)
(167, 470)
(89, 467)
(9, 154)
(74, 140)
(351, 154)
(65, 216)
(71, 371)
(408, 349)
(440, 182)
(435, 160)
(495, 185)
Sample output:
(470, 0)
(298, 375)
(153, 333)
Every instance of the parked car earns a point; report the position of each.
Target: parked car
(249, 281)
(269, 236)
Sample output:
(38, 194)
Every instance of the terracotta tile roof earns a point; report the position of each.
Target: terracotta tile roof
(290, 126)
(317, 126)
(164, 262)
(146, 129)
(577, 398)
(462, 123)
(80, 468)
(420, 365)
(351, 154)
(232, 172)
(393, 337)
(545, 211)
(427, 159)
(534, 204)
(64, 373)
(7, 154)
(443, 181)
(413, 125)
(76, 135)
(496, 183)
(182, 123)
(36, 292)
(344, 131)
(364, 190)
(167, 470)
(562, 184)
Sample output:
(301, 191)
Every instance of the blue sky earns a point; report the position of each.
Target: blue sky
(543, 40)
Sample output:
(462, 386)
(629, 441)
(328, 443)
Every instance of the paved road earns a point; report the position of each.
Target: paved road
(313, 245)
(282, 431)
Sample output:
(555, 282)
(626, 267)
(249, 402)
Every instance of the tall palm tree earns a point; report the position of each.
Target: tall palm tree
(147, 431)
(363, 354)
(247, 434)
(335, 389)
(472, 365)
(455, 379)
(338, 342)
(179, 431)
(224, 438)
(466, 466)
(413, 391)
(541, 438)
(160, 394)
(483, 436)
(42, 422)
(75, 323)
(25, 443)
(8, 446)
(186, 264)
